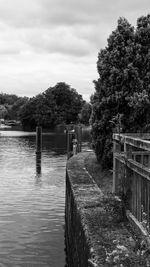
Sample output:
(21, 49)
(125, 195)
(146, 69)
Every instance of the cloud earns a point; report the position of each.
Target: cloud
(46, 41)
(50, 13)
(19, 13)
(71, 27)
(61, 40)
(50, 27)
(30, 74)
(43, 13)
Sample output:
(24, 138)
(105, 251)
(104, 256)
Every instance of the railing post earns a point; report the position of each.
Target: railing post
(114, 168)
(127, 150)
(148, 163)
(116, 148)
(128, 190)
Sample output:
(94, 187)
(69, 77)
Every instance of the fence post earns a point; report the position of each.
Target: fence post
(131, 185)
(116, 148)
(127, 151)
(148, 161)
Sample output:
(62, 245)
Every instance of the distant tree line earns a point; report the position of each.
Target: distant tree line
(59, 104)
(10, 106)
(121, 101)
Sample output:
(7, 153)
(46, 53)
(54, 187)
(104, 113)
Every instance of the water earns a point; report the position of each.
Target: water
(32, 206)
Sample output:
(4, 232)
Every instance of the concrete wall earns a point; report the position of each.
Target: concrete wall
(88, 217)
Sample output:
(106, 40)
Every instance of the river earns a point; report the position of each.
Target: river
(32, 205)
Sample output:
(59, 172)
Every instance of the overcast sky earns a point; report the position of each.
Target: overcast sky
(43, 42)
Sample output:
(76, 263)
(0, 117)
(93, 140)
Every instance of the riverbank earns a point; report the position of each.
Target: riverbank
(97, 232)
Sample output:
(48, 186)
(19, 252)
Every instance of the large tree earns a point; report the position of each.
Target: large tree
(60, 104)
(68, 102)
(122, 87)
(3, 112)
(85, 113)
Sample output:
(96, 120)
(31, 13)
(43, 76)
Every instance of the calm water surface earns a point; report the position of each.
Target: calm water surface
(32, 206)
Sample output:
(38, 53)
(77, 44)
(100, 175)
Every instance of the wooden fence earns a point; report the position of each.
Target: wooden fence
(131, 175)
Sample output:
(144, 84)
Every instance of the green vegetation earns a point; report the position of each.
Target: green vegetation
(59, 104)
(10, 106)
(85, 113)
(124, 244)
(122, 93)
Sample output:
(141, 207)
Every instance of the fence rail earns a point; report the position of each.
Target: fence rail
(131, 174)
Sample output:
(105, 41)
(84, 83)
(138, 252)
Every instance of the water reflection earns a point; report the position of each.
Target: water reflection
(38, 163)
(32, 200)
(32, 204)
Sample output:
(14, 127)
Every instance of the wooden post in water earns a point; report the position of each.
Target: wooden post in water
(38, 149)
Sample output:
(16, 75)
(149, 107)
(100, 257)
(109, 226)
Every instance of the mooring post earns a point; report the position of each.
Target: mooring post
(79, 138)
(38, 148)
(69, 144)
(38, 139)
(70, 137)
(75, 146)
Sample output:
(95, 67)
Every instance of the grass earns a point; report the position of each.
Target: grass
(128, 238)
(103, 178)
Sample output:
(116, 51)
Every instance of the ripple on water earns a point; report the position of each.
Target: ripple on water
(31, 206)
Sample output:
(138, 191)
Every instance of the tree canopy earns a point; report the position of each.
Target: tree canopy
(11, 104)
(57, 105)
(122, 91)
(85, 113)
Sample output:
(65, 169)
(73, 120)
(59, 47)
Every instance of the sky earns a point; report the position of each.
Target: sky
(43, 42)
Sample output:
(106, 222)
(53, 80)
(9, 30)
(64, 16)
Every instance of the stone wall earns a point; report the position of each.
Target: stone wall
(87, 221)
(96, 233)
